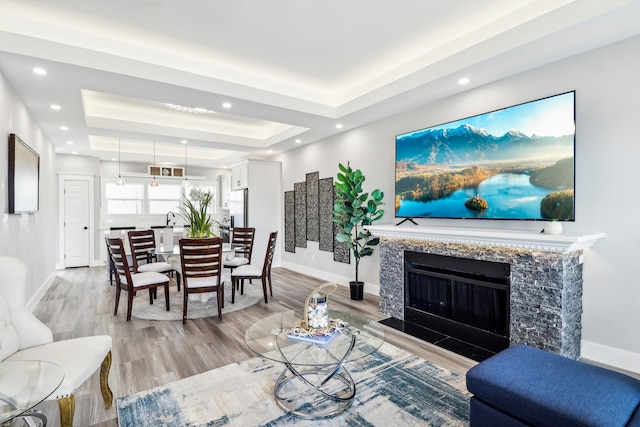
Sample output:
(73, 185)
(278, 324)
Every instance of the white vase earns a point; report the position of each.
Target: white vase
(553, 228)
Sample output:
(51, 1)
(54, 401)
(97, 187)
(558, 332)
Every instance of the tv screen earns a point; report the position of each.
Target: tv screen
(24, 177)
(513, 163)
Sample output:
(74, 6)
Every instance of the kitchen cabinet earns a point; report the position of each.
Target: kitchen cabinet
(224, 181)
(240, 176)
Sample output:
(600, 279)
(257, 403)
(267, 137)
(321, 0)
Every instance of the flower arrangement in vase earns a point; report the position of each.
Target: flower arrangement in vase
(195, 213)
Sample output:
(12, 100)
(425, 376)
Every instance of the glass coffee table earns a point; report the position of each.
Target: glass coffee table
(314, 382)
(23, 385)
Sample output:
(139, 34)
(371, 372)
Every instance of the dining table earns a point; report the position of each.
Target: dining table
(171, 254)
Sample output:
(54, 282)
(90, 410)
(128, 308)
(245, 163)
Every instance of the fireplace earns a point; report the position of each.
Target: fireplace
(542, 288)
(463, 299)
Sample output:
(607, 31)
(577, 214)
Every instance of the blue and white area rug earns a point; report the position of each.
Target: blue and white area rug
(394, 388)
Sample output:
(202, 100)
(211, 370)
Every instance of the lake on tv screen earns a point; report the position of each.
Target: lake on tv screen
(509, 195)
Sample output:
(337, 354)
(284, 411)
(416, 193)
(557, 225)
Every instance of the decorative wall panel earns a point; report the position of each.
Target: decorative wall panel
(300, 205)
(289, 222)
(325, 193)
(341, 252)
(313, 223)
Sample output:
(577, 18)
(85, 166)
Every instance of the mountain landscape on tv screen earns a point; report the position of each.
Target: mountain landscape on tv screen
(466, 145)
(464, 172)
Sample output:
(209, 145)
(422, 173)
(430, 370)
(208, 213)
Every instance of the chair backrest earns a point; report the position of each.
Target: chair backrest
(243, 236)
(201, 258)
(28, 331)
(119, 261)
(268, 257)
(141, 242)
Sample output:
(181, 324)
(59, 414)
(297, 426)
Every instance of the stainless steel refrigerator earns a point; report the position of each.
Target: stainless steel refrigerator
(238, 208)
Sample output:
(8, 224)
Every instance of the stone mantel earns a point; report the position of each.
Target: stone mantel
(516, 239)
(545, 275)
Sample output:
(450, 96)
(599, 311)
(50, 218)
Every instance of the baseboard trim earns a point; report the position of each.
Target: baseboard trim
(35, 300)
(611, 356)
(369, 288)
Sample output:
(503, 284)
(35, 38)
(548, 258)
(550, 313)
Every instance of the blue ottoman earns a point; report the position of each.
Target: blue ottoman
(524, 386)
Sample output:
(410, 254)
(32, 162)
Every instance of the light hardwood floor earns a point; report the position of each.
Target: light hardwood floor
(151, 353)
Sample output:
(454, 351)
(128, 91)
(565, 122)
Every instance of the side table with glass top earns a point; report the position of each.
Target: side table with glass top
(314, 382)
(23, 385)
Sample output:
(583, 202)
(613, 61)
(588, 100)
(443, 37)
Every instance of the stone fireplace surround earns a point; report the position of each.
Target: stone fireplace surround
(546, 276)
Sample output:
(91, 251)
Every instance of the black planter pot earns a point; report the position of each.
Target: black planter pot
(357, 290)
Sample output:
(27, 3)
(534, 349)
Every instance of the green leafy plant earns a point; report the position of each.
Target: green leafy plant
(353, 209)
(194, 212)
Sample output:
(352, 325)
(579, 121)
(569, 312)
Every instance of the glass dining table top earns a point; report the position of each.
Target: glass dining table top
(24, 384)
(269, 337)
(175, 249)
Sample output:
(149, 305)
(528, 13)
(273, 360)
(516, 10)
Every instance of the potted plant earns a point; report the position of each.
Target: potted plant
(352, 210)
(195, 213)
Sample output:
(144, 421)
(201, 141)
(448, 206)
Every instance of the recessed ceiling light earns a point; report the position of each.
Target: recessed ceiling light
(184, 141)
(70, 142)
(298, 141)
(339, 126)
(226, 105)
(463, 81)
(74, 152)
(64, 128)
(55, 107)
(113, 159)
(40, 71)
(192, 110)
(270, 151)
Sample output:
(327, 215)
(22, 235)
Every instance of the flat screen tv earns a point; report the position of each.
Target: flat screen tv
(516, 163)
(24, 177)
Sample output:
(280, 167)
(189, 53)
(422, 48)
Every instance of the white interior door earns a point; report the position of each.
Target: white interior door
(76, 223)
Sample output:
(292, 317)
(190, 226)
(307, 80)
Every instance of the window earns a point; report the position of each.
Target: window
(164, 198)
(124, 199)
(137, 197)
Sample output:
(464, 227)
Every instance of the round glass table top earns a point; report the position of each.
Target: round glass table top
(270, 338)
(24, 384)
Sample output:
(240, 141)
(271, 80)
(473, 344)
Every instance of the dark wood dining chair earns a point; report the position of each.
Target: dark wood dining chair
(115, 232)
(249, 271)
(142, 244)
(133, 282)
(242, 244)
(201, 261)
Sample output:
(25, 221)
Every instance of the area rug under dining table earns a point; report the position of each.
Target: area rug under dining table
(197, 308)
(394, 388)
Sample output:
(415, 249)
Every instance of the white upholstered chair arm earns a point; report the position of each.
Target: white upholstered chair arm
(31, 331)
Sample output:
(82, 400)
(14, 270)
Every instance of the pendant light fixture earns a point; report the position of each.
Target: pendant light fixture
(185, 183)
(120, 180)
(154, 182)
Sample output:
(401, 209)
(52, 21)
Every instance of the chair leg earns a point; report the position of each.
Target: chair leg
(220, 297)
(129, 305)
(184, 307)
(270, 287)
(118, 290)
(166, 295)
(233, 290)
(107, 394)
(178, 280)
(67, 407)
(221, 286)
(264, 289)
(151, 292)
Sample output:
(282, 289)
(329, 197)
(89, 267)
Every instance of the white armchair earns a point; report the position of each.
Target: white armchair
(24, 337)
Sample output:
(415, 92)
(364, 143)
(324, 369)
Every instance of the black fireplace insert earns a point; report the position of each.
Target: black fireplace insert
(462, 301)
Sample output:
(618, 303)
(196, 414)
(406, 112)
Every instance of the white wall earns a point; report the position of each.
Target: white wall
(29, 237)
(607, 112)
